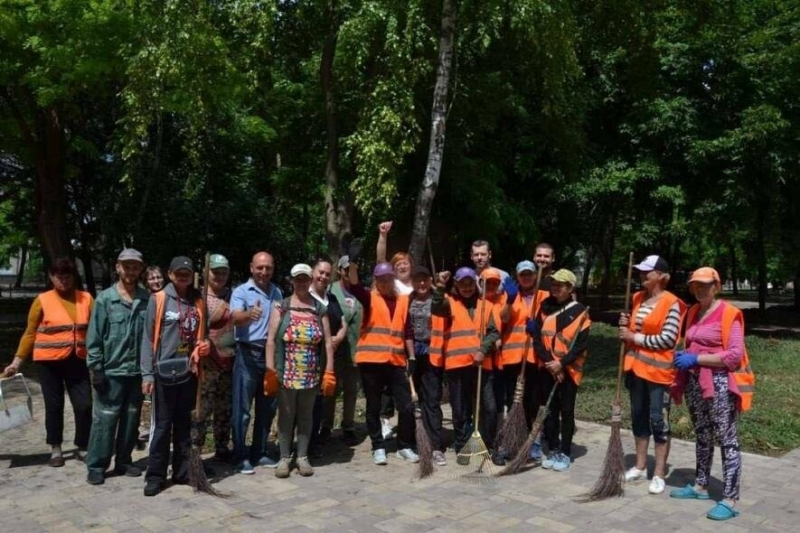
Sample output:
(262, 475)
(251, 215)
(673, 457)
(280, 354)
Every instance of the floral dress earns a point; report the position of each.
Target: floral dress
(302, 340)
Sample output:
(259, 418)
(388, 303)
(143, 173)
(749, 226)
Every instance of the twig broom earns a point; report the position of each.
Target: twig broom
(515, 428)
(424, 446)
(521, 459)
(612, 477)
(197, 474)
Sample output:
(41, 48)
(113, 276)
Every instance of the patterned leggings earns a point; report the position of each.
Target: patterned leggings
(715, 417)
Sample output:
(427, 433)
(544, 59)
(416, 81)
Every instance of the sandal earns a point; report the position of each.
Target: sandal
(722, 511)
(688, 493)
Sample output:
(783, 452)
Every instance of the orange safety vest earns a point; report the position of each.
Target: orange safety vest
(559, 342)
(455, 340)
(161, 299)
(744, 376)
(58, 335)
(382, 337)
(514, 335)
(653, 365)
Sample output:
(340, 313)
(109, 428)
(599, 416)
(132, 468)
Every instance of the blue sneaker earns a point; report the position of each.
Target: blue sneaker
(245, 468)
(562, 463)
(548, 463)
(536, 451)
(267, 462)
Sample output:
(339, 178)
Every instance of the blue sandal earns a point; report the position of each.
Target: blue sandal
(722, 511)
(688, 493)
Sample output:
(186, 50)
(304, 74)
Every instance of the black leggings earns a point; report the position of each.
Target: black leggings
(562, 410)
(56, 376)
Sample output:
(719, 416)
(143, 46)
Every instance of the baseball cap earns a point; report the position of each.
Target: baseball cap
(383, 269)
(343, 262)
(466, 272)
(525, 266)
(652, 262)
(181, 262)
(301, 269)
(218, 261)
(420, 271)
(705, 275)
(491, 273)
(130, 254)
(564, 276)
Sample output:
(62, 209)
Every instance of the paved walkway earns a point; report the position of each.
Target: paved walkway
(348, 493)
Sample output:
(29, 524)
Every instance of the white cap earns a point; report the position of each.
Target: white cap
(301, 269)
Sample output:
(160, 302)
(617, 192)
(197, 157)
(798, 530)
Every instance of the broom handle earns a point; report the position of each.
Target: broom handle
(534, 306)
(198, 395)
(414, 397)
(621, 364)
(480, 367)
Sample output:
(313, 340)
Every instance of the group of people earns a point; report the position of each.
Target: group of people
(411, 330)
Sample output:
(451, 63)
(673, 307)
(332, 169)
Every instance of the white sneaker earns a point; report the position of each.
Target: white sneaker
(439, 459)
(386, 429)
(408, 455)
(379, 456)
(657, 485)
(634, 473)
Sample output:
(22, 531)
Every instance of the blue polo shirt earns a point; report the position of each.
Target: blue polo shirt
(245, 297)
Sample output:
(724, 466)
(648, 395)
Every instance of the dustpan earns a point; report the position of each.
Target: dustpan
(16, 402)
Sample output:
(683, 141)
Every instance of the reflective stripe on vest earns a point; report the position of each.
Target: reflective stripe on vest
(461, 339)
(382, 337)
(743, 376)
(558, 342)
(58, 335)
(652, 365)
(514, 334)
(435, 351)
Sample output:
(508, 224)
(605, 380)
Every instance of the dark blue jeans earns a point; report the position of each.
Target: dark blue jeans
(248, 385)
(650, 405)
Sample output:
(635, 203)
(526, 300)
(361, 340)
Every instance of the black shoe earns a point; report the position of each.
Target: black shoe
(498, 459)
(153, 487)
(95, 478)
(349, 437)
(180, 480)
(128, 470)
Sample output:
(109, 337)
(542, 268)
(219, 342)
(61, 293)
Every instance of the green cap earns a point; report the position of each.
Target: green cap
(564, 276)
(218, 261)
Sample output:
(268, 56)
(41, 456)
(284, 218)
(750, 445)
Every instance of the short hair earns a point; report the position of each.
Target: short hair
(400, 256)
(62, 265)
(546, 245)
(663, 279)
(481, 242)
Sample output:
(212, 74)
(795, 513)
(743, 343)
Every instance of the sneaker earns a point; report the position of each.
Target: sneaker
(386, 429)
(498, 459)
(56, 461)
(245, 468)
(128, 470)
(550, 461)
(634, 473)
(439, 459)
(267, 462)
(379, 456)
(282, 469)
(536, 451)
(657, 485)
(95, 478)
(562, 462)
(689, 493)
(349, 437)
(408, 454)
(153, 487)
(304, 467)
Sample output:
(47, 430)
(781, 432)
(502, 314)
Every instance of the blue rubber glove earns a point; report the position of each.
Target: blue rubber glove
(531, 327)
(511, 289)
(685, 360)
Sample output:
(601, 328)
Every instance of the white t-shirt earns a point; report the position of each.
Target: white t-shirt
(401, 288)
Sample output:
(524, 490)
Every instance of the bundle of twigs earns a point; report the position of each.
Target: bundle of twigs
(612, 477)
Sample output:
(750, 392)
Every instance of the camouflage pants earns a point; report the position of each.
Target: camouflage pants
(216, 403)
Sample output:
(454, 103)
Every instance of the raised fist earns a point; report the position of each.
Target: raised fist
(384, 227)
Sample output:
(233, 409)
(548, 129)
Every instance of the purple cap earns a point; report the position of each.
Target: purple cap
(383, 269)
(466, 272)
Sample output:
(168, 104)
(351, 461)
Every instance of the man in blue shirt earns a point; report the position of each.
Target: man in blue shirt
(251, 304)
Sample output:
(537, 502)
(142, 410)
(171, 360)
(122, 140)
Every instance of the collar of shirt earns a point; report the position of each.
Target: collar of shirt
(269, 293)
(323, 300)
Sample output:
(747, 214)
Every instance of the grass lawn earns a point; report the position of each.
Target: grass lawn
(771, 427)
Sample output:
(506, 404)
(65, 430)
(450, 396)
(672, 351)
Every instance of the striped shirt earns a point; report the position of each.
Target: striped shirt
(669, 333)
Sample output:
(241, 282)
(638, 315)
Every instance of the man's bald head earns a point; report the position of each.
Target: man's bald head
(261, 268)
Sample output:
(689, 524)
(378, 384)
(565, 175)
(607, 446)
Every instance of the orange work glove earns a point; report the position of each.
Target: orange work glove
(271, 384)
(328, 383)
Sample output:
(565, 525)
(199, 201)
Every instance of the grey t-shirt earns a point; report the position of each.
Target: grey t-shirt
(419, 312)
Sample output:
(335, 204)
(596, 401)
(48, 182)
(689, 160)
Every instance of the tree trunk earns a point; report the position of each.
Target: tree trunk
(427, 191)
(587, 270)
(23, 258)
(797, 288)
(607, 252)
(338, 202)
